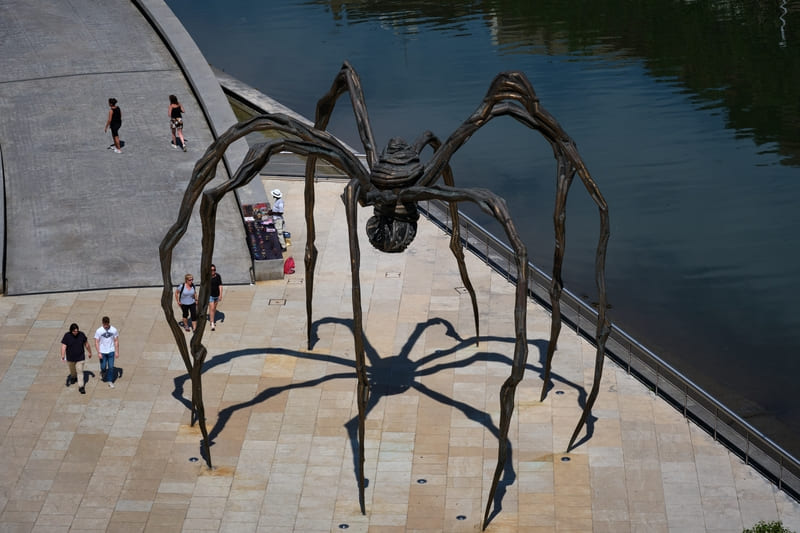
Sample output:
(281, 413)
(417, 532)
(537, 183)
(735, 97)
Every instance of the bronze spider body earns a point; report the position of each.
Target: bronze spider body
(393, 183)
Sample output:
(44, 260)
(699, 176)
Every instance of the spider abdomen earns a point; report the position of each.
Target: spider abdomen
(391, 229)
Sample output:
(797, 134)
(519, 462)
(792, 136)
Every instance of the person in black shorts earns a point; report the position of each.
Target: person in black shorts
(176, 112)
(215, 296)
(114, 122)
(186, 296)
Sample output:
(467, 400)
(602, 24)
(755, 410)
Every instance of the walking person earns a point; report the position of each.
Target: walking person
(106, 340)
(72, 345)
(215, 296)
(277, 216)
(114, 122)
(186, 296)
(175, 113)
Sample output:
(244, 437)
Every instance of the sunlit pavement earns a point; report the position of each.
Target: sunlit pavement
(282, 417)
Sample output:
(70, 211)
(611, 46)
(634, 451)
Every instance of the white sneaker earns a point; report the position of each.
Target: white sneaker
(117, 150)
(110, 385)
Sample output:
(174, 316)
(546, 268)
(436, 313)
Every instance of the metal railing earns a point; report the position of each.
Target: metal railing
(725, 426)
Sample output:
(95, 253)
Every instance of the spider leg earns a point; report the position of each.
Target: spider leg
(511, 94)
(429, 138)
(495, 206)
(310, 259)
(348, 80)
(565, 175)
(603, 326)
(311, 141)
(350, 199)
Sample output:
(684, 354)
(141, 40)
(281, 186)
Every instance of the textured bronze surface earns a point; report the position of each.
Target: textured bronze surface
(393, 183)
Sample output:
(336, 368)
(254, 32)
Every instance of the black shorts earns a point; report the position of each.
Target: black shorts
(115, 129)
(190, 310)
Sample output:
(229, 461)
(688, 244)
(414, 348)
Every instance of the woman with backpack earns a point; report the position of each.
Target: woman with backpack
(186, 296)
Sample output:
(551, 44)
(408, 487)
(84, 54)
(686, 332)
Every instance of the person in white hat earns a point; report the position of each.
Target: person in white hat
(277, 216)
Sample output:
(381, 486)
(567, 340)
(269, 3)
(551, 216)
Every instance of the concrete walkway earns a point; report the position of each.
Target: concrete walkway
(281, 416)
(78, 215)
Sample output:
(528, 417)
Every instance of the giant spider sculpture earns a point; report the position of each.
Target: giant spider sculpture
(394, 182)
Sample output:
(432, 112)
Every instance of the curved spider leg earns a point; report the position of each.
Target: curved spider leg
(565, 174)
(512, 94)
(319, 143)
(254, 161)
(456, 247)
(348, 80)
(569, 163)
(496, 207)
(603, 326)
(350, 199)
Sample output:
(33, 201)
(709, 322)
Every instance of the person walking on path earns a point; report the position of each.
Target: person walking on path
(106, 340)
(72, 346)
(114, 122)
(175, 113)
(215, 296)
(277, 216)
(186, 296)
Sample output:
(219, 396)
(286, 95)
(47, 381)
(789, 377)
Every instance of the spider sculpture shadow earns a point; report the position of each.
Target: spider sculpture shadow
(388, 376)
(394, 182)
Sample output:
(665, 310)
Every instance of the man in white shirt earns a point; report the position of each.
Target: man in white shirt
(106, 340)
(277, 216)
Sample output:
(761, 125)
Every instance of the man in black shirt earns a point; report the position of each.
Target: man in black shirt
(72, 346)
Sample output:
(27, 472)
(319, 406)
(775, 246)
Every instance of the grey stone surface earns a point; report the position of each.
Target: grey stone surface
(269, 269)
(118, 459)
(209, 95)
(78, 215)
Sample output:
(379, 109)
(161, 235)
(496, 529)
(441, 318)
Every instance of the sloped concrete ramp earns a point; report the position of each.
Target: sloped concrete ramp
(79, 216)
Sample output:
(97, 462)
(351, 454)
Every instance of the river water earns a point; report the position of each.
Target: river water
(687, 114)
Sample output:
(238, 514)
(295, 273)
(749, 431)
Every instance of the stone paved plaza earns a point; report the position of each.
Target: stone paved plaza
(282, 418)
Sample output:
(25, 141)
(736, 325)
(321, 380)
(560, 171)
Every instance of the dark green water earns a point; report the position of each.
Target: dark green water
(686, 113)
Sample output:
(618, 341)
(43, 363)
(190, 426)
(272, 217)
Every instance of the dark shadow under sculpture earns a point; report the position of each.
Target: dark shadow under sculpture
(393, 183)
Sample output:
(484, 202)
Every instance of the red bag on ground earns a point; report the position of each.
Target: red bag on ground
(288, 266)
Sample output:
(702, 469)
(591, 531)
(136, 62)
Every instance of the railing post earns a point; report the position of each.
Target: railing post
(658, 376)
(685, 399)
(747, 448)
